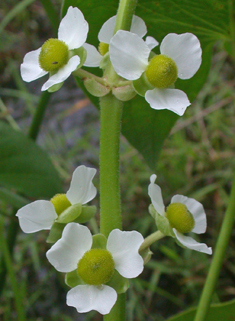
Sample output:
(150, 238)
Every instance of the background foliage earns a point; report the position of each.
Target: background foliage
(197, 158)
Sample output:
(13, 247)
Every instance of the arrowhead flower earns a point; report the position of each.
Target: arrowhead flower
(182, 216)
(40, 215)
(180, 57)
(95, 266)
(106, 32)
(56, 56)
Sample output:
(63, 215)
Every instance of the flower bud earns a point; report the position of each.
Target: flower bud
(124, 93)
(95, 88)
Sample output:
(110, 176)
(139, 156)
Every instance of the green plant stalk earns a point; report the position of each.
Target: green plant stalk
(125, 13)
(110, 127)
(232, 25)
(38, 115)
(221, 246)
(9, 266)
(152, 238)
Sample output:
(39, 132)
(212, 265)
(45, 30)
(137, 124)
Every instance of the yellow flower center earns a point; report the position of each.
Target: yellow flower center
(180, 218)
(96, 267)
(60, 202)
(103, 48)
(161, 72)
(54, 54)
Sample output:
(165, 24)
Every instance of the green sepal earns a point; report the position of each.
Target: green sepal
(99, 241)
(118, 283)
(95, 88)
(86, 214)
(141, 85)
(55, 232)
(81, 53)
(146, 255)
(70, 214)
(104, 61)
(161, 221)
(124, 93)
(72, 279)
(55, 87)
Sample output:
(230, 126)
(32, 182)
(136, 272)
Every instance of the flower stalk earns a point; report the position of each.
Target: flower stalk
(152, 238)
(215, 267)
(110, 203)
(110, 127)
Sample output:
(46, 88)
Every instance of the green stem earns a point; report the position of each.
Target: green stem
(38, 116)
(110, 124)
(215, 267)
(151, 239)
(9, 266)
(125, 13)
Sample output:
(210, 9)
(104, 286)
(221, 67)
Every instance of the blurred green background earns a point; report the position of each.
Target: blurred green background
(197, 160)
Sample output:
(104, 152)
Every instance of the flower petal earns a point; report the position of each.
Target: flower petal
(30, 69)
(65, 254)
(93, 57)
(63, 73)
(36, 216)
(129, 54)
(151, 42)
(124, 247)
(155, 194)
(186, 52)
(73, 28)
(81, 188)
(88, 297)
(197, 211)
(191, 243)
(172, 99)
(138, 27)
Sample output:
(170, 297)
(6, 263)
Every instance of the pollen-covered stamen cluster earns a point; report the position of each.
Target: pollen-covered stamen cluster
(54, 54)
(103, 48)
(161, 72)
(96, 267)
(60, 202)
(180, 218)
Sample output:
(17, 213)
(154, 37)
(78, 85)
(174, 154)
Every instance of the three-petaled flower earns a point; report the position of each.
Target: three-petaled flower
(105, 35)
(95, 266)
(183, 215)
(180, 58)
(41, 214)
(56, 56)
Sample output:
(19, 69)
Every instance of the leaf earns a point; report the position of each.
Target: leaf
(9, 197)
(24, 166)
(217, 312)
(145, 128)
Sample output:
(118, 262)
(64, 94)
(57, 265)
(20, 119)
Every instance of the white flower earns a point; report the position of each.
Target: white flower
(40, 215)
(129, 55)
(72, 32)
(67, 254)
(193, 208)
(106, 33)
